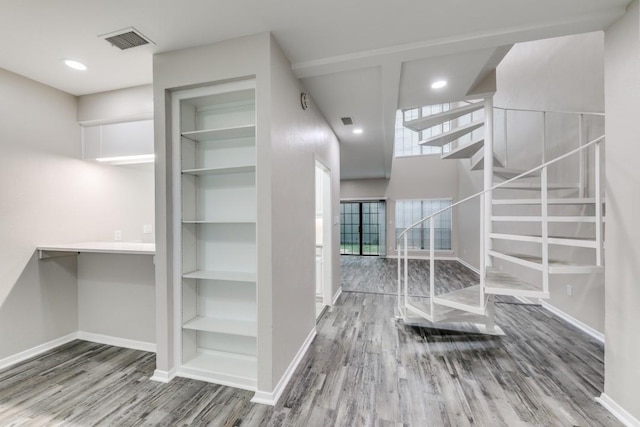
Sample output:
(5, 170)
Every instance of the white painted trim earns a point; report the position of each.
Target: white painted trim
(163, 376)
(121, 119)
(572, 320)
(336, 296)
(365, 199)
(524, 300)
(37, 350)
(117, 342)
(469, 266)
(618, 411)
(271, 399)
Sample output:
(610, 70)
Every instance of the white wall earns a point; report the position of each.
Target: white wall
(289, 141)
(49, 195)
(418, 177)
(116, 296)
(298, 139)
(561, 74)
(129, 103)
(622, 295)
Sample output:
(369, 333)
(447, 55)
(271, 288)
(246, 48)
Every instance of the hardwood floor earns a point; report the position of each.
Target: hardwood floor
(365, 368)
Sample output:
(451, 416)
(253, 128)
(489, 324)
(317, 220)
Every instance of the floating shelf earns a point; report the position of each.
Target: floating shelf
(220, 134)
(246, 328)
(220, 171)
(232, 276)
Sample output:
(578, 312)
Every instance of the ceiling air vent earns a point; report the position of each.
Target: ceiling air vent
(126, 39)
(347, 121)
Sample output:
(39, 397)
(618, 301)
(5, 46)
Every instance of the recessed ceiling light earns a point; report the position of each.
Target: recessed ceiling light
(438, 84)
(76, 65)
(358, 130)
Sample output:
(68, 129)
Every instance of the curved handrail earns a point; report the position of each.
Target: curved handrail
(537, 168)
(586, 113)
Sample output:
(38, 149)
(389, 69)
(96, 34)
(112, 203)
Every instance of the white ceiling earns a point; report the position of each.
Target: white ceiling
(359, 57)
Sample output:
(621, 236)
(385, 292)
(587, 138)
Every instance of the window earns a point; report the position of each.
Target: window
(407, 141)
(409, 212)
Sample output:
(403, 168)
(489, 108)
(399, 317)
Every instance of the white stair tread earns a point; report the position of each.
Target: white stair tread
(220, 221)
(452, 135)
(233, 276)
(586, 242)
(508, 173)
(500, 283)
(501, 280)
(478, 164)
(555, 266)
(467, 298)
(505, 218)
(560, 201)
(439, 118)
(466, 151)
(423, 307)
(247, 328)
(535, 186)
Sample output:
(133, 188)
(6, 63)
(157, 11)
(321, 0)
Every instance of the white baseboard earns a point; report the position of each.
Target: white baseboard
(163, 376)
(469, 266)
(37, 350)
(267, 398)
(572, 320)
(117, 342)
(336, 296)
(618, 411)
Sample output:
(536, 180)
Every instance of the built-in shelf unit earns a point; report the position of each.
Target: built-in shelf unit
(214, 133)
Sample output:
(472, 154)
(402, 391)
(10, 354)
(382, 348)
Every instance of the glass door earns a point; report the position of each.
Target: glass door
(361, 228)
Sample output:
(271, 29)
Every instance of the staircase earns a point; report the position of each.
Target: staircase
(509, 257)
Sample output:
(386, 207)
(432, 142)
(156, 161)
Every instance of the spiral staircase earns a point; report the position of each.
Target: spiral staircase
(512, 263)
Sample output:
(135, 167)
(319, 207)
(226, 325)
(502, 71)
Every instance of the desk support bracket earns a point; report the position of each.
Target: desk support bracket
(45, 254)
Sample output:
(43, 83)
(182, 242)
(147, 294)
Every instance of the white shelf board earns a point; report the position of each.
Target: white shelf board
(219, 134)
(233, 276)
(102, 248)
(248, 328)
(220, 171)
(235, 370)
(219, 221)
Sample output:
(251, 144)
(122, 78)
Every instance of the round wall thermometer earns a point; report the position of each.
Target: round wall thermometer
(304, 100)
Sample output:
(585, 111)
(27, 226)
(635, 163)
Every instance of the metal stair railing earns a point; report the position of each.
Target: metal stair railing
(403, 250)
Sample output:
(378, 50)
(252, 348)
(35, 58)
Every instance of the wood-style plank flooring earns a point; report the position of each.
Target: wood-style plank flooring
(365, 368)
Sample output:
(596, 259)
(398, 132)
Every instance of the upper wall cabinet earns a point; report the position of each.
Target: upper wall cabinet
(119, 143)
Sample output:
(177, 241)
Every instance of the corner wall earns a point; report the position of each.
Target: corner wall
(49, 195)
(622, 293)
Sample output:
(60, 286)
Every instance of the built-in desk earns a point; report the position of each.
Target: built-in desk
(116, 290)
(65, 249)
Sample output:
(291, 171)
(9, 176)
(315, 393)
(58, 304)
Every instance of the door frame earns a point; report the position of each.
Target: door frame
(381, 250)
(327, 232)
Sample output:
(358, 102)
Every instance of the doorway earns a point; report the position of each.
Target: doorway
(362, 228)
(323, 238)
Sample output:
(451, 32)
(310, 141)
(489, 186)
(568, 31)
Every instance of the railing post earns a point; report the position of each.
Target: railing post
(432, 270)
(483, 267)
(506, 140)
(399, 252)
(582, 181)
(598, 205)
(544, 213)
(488, 175)
(406, 271)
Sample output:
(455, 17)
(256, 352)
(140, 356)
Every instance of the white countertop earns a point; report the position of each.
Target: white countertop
(102, 247)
